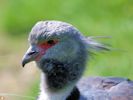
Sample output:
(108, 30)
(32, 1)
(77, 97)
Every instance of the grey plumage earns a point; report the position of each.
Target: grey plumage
(106, 88)
(61, 52)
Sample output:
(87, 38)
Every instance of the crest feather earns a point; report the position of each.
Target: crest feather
(92, 44)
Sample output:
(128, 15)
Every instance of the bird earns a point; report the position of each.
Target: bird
(61, 52)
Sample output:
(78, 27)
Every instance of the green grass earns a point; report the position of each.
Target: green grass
(92, 17)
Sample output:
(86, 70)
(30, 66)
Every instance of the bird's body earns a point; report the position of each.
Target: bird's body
(61, 52)
(106, 88)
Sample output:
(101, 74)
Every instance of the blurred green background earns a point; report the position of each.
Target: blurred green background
(92, 17)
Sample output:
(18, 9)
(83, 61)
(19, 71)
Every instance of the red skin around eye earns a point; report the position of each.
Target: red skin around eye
(43, 48)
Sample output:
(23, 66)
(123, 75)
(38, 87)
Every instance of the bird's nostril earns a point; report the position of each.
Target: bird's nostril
(31, 53)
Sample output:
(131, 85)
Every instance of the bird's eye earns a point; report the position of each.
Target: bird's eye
(50, 42)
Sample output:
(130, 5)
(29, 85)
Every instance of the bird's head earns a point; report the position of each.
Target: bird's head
(54, 40)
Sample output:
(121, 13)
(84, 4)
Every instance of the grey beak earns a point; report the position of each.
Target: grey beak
(29, 56)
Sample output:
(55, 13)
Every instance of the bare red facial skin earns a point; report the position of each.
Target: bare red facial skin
(44, 47)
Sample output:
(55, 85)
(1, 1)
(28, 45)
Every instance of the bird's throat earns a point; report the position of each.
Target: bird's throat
(59, 78)
(68, 93)
(59, 75)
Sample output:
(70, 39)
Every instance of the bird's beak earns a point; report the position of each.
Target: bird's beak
(29, 56)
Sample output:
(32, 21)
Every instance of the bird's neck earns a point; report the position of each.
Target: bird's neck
(60, 77)
(68, 93)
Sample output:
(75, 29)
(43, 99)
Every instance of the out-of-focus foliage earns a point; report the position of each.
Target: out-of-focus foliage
(99, 16)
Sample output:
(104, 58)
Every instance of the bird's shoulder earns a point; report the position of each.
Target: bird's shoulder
(105, 88)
